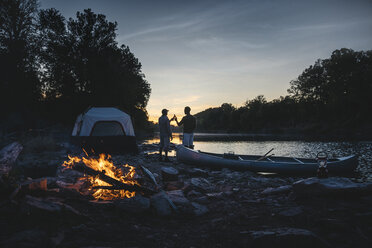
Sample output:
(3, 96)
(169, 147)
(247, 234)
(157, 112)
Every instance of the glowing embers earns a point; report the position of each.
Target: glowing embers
(104, 180)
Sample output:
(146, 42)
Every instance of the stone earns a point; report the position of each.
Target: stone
(42, 204)
(194, 193)
(227, 190)
(162, 204)
(8, 156)
(28, 239)
(199, 209)
(333, 186)
(196, 172)
(149, 174)
(47, 206)
(202, 200)
(178, 197)
(136, 204)
(174, 185)
(291, 212)
(169, 174)
(201, 184)
(107, 205)
(279, 190)
(285, 237)
(225, 171)
(35, 168)
(218, 195)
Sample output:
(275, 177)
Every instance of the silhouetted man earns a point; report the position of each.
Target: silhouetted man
(189, 125)
(165, 134)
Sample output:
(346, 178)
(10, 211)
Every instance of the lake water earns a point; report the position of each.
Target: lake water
(304, 149)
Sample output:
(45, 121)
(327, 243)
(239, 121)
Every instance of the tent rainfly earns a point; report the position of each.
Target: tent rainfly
(108, 130)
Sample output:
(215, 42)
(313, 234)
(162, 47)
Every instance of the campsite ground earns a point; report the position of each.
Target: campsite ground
(215, 208)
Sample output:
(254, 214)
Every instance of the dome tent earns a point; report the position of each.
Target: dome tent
(103, 129)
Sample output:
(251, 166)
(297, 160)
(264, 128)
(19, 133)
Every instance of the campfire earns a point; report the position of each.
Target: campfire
(104, 180)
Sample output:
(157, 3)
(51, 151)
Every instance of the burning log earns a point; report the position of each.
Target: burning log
(106, 180)
(145, 191)
(116, 185)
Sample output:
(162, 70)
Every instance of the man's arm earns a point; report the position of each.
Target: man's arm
(181, 122)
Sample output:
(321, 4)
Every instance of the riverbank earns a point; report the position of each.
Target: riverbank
(212, 208)
(341, 135)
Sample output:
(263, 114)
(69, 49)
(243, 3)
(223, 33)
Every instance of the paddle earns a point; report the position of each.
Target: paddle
(264, 156)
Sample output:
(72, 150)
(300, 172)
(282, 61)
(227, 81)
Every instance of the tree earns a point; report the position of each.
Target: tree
(339, 86)
(54, 57)
(18, 78)
(311, 85)
(84, 66)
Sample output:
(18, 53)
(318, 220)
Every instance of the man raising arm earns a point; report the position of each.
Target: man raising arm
(189, 125)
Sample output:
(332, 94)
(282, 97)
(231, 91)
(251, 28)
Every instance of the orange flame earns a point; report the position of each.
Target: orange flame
(103, 164)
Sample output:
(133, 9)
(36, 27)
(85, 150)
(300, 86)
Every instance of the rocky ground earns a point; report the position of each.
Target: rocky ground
(41, 206)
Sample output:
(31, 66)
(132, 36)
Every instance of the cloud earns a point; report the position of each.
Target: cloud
(158, 29)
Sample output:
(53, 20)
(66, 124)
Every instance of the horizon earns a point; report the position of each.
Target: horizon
(204, 54)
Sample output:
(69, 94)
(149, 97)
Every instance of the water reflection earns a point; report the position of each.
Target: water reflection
(305, 149)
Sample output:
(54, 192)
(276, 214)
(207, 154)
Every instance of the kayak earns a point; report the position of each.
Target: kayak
(269, 164)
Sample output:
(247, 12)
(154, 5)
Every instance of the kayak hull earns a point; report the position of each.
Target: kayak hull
(281, 165)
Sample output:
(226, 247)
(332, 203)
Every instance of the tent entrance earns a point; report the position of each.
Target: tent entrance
(107, 128)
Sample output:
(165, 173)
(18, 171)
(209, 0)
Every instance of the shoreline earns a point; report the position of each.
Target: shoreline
(224, 136)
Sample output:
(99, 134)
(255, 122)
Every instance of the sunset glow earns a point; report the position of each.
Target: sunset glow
(205, 53)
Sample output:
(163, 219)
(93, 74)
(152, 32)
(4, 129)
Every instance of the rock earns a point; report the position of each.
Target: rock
(199, 209)
(196, 172)
(174, 185)
(279, 190)
(149, 175)
(227, 190)
(169, 174)
(333, 186)
(285, 237)
(162, 204)
(194, 193)
(291, 212)
(42, 204)
(178, 197)
(8, 156)
(234, 175)
(107, 205)
(28, 238)
(201, 184)
(218, 195)
(187, 187)
(136, 204)
(35, 168)
(202, 200)
(57, 239)
(46, 206)
(225, 171)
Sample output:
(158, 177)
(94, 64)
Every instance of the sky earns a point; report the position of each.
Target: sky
(205, 53)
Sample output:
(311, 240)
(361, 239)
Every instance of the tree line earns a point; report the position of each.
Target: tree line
(52, 67)
(333, 95)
